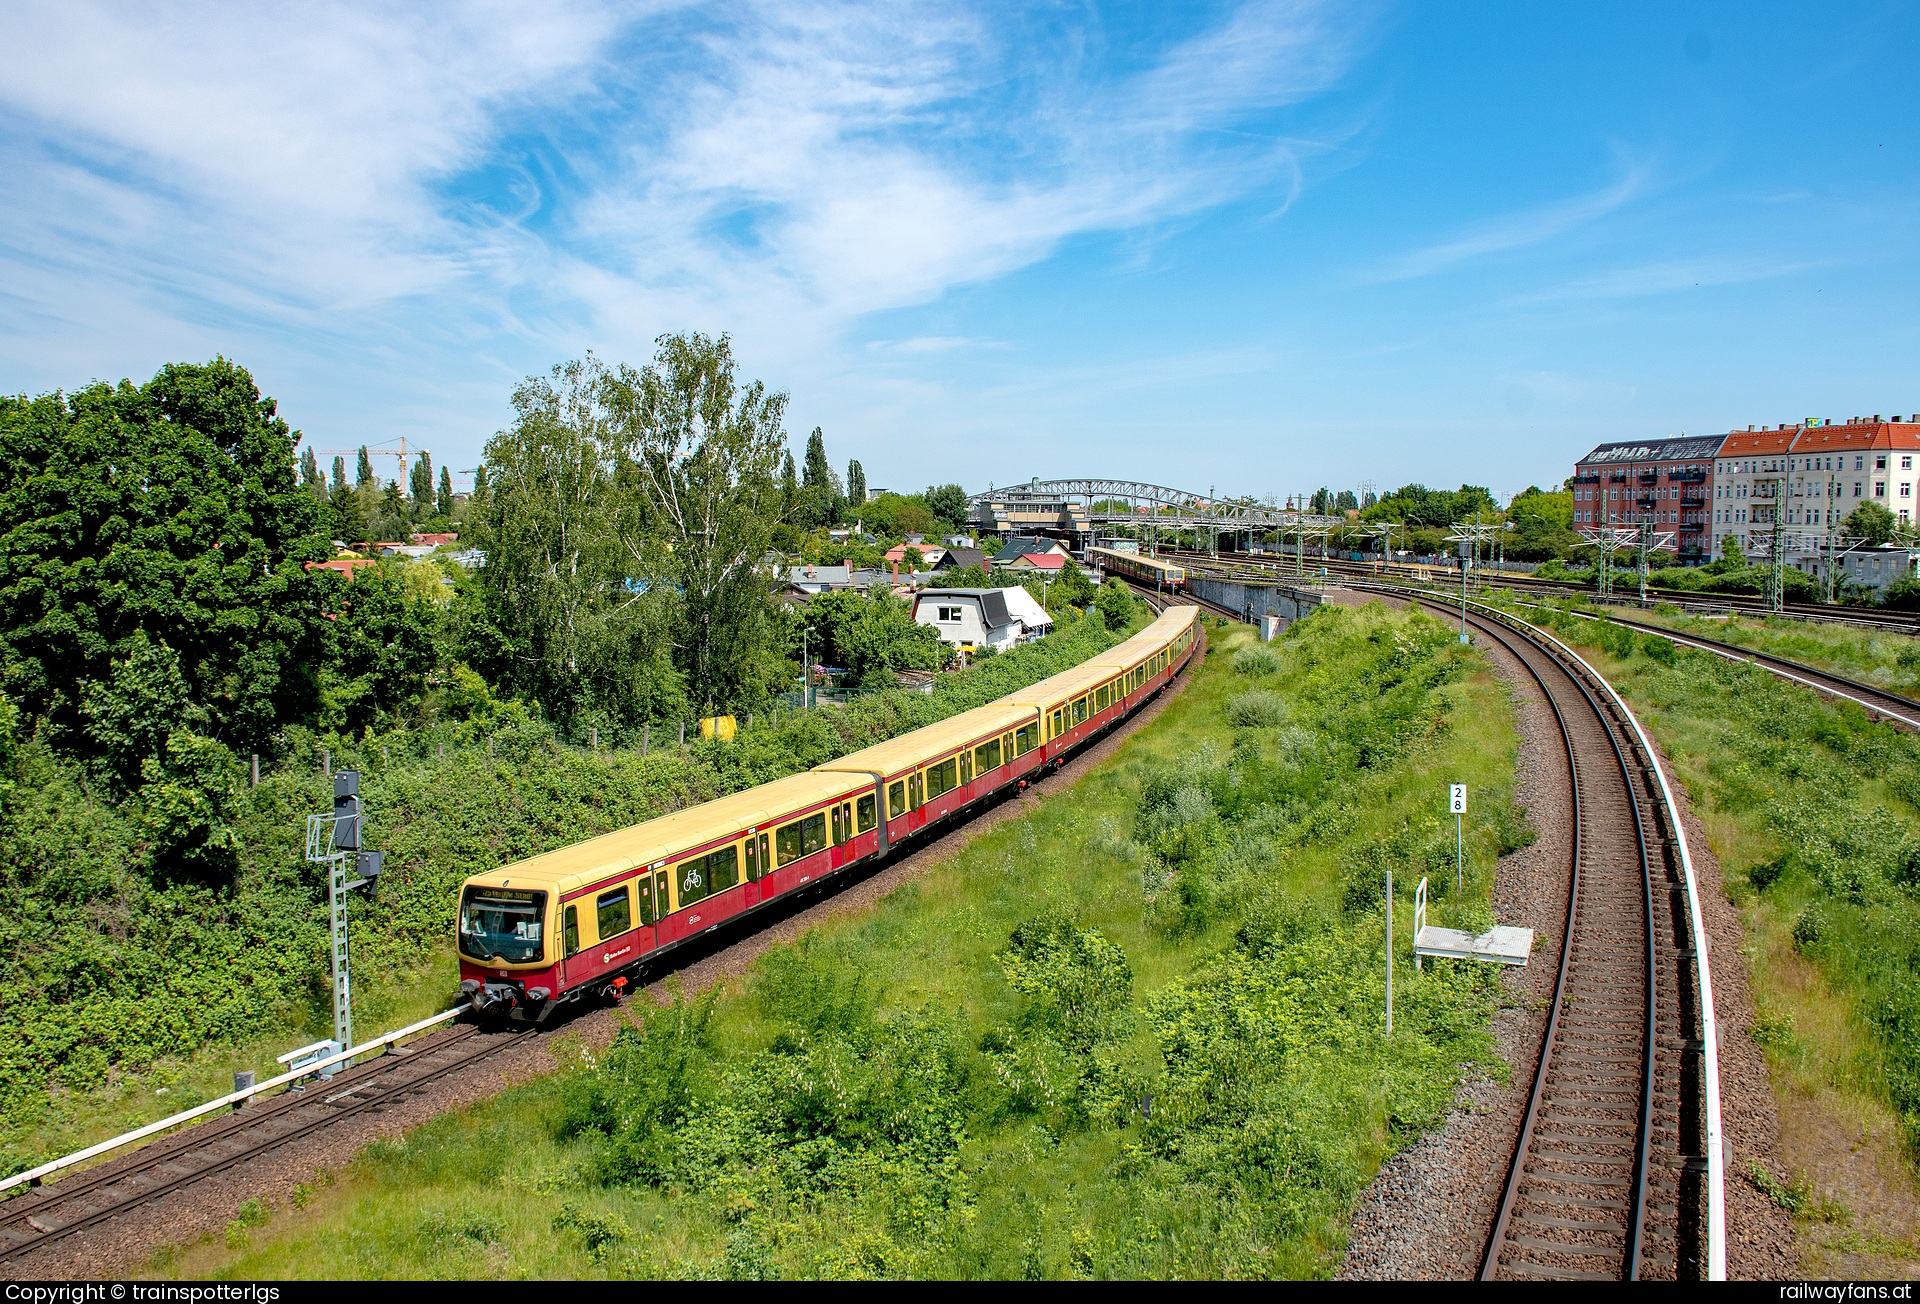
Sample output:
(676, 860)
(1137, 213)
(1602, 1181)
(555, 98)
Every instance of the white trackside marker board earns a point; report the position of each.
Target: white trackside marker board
(1459, 803)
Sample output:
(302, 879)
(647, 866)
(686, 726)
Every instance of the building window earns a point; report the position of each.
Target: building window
(1879, 488)
(1856, 488)
(1906, 463)
(948, 615)
(1906, 489)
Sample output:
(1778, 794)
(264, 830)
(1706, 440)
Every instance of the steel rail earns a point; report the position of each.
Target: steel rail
(1709, 1019)
(33, 1176)
(1903, 710)
(1517, 1169)
(26, 1210)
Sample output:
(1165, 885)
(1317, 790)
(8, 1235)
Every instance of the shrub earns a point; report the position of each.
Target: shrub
(1257, 659)
(1257, 708)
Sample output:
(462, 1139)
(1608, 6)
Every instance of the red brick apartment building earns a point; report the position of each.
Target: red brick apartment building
(1666, 482)
(1707, 488)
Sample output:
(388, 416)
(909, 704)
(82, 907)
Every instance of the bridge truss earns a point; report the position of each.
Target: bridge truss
(1080, 506)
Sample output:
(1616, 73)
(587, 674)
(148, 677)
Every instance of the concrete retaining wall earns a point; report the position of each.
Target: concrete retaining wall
(1255, 600)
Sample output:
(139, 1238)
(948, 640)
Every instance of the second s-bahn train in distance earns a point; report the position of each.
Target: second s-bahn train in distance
(1156, 571)
(577, 922)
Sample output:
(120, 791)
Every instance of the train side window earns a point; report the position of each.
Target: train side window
(723, 867)
(615, 913)
(1058, 728)
(1079, 710)
(702, 876)
(1100, 699)
(800, 839)
(896, 800)
(944, 777)
(987, 756)
(570, 930)
(1025, 739)
(864, 814)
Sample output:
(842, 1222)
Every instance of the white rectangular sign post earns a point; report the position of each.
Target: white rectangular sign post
(1459, 804)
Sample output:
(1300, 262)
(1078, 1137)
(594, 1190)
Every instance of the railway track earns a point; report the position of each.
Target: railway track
(1609, 1172)
(1890, 622)
(93, 1196)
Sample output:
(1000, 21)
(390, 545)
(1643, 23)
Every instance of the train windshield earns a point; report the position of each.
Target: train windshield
(502, 924)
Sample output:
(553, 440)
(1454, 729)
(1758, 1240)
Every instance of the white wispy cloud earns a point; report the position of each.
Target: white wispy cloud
(1671, 276)
(1512, 231)
(436, 196)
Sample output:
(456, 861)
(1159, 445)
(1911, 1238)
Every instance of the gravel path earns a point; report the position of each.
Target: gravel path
(1428, 1211)
(130, 1245)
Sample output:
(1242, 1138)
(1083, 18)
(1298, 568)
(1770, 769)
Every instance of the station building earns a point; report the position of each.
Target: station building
(1667, 483)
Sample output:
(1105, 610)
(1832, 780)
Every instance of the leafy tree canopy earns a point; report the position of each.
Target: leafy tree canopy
(171, 515)
(872, 636)
(1872, 521)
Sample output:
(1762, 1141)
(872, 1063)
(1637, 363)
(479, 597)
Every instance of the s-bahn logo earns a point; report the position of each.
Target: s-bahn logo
(611, 956)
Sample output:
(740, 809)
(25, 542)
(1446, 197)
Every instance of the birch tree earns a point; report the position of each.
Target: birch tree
(703, 452)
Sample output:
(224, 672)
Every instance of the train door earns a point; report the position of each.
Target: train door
(916, 799)
(758, 865)
(649, 910)
(569, 941)
(842, 834)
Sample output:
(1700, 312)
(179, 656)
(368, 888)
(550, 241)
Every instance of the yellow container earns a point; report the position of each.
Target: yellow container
(718, 726)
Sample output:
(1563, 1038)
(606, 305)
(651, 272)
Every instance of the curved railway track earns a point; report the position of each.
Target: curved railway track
(50, 1213)
(1606, 1177)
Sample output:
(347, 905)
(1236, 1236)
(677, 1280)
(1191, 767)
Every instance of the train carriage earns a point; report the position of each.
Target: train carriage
(554, 927)
(1140, 567)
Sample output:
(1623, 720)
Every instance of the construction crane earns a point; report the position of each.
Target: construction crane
(402, 452)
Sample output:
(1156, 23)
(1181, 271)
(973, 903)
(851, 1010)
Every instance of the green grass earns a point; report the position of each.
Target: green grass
(1889, 661)
(1135, 1033)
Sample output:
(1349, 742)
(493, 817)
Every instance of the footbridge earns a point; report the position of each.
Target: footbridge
(1082, 507)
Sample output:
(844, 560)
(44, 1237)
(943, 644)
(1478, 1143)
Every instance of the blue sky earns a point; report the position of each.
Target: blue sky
(1262, 247)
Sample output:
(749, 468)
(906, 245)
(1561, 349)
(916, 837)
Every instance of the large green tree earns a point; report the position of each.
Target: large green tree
(948, 502)
(704, 451)
(1872, 522)
(169, 515)
(856, 485)
(583, 629)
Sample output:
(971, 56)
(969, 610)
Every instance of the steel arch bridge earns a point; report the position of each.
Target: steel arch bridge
(1077, 506)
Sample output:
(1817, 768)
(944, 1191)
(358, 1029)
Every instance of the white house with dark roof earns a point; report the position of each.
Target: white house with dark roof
(991, 618)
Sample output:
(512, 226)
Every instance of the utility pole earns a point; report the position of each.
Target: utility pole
(335, 841)
(1777, 571)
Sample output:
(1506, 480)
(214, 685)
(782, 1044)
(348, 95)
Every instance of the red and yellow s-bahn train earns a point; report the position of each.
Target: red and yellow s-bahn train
(1157, 571)
(578, 922)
